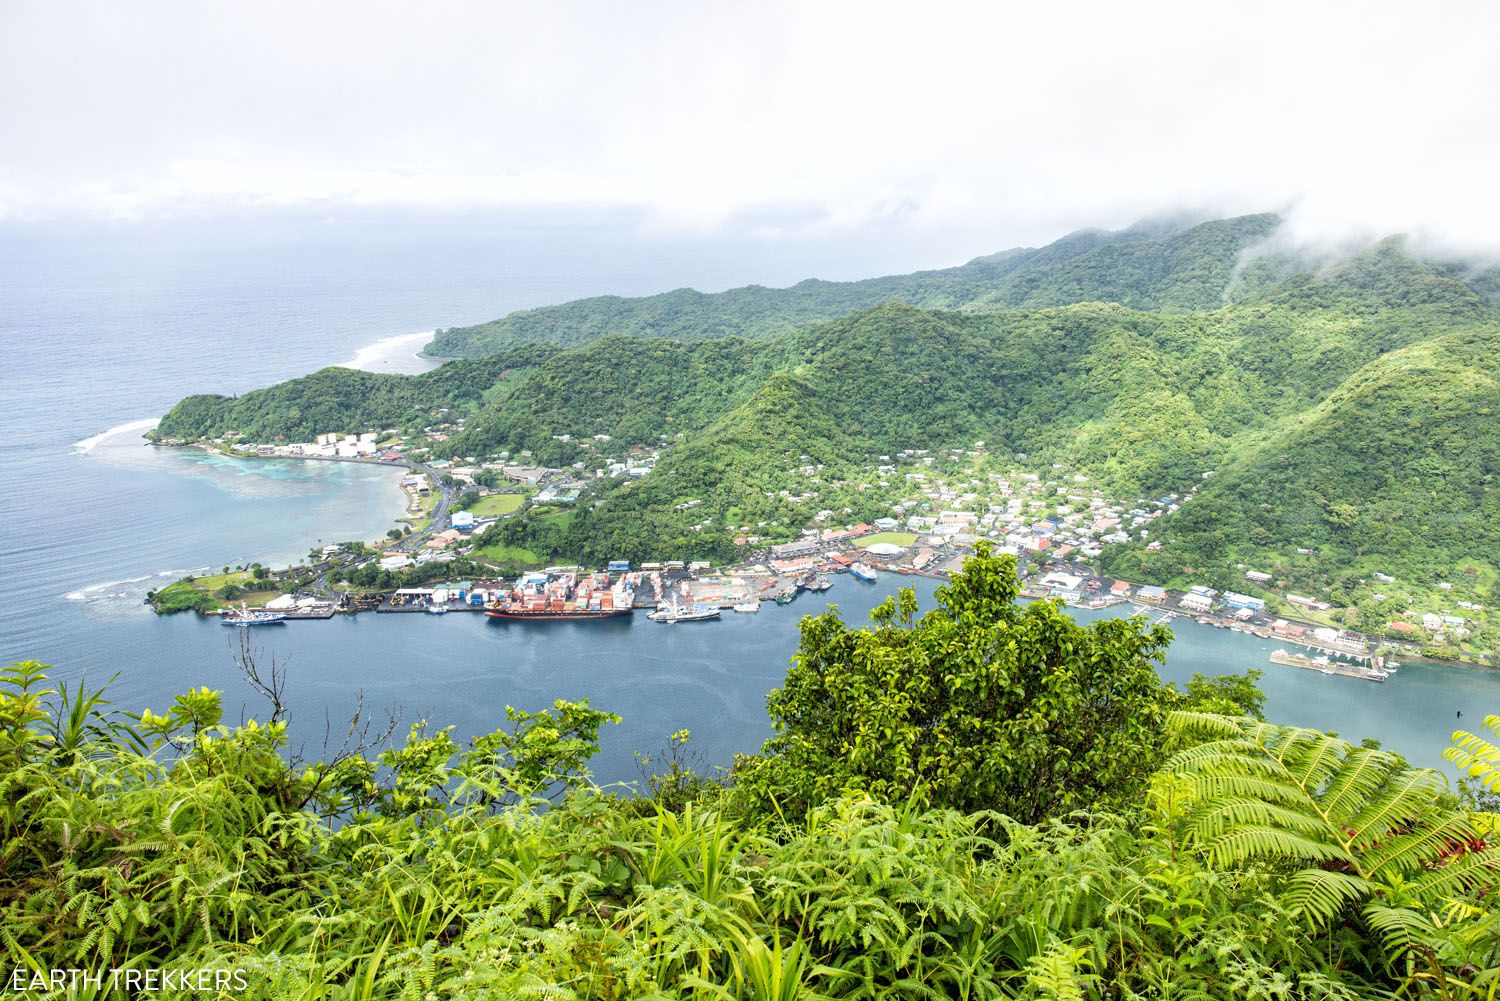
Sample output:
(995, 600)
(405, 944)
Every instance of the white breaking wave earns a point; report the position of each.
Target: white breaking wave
(400, 354)
(145, 424)
(93, 591)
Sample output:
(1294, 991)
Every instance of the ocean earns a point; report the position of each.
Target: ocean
(106, 327)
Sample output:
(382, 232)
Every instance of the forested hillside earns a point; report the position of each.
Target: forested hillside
(341, 400)
(1145, 267)
(1394, 473)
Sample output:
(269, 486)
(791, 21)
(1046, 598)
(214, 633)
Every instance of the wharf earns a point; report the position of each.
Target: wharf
(1327, 666)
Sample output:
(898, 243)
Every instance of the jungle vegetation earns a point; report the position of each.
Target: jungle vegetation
(984, 801)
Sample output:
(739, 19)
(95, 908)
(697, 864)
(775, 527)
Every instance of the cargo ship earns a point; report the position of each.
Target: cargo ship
(564, 597)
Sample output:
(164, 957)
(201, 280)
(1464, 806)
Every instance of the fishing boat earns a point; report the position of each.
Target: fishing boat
(245, 617)
(437, 609)
(863, 572)
(786, 596)
(674, 612)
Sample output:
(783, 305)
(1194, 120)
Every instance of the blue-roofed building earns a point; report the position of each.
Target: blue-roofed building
(1236, 600)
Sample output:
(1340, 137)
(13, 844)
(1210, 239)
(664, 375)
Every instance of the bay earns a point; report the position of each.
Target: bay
(105, 329)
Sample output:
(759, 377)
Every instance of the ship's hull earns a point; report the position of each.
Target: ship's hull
(541, 615)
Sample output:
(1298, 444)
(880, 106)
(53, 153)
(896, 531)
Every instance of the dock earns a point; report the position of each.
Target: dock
(1326, 666)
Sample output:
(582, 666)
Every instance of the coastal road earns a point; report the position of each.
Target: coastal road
(440, 517)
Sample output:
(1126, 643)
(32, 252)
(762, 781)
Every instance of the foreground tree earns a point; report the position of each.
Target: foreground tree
(981, 704)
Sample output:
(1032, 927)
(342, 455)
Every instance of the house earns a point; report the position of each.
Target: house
(1062, 582)
(1151, 593)
(1196, 602)
(791, 550)
(1120, 588)
(444, 539)
(1297, 599)
(1234, 599)
(1256, 577)
(527, 474)
(1404, 628)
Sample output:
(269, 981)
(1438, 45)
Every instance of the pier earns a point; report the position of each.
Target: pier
(1327, 666)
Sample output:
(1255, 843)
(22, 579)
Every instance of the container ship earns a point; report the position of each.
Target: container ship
(563, 597)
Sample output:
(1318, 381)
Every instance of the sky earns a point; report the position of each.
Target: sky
(1001, 123)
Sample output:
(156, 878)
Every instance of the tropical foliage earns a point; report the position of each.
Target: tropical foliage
(981, 704)
(1254, 861)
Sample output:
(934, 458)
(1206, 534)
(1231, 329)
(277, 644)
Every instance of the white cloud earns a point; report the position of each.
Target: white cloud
(779, 118)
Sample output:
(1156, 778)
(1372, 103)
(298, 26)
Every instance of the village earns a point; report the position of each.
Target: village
(939, 505)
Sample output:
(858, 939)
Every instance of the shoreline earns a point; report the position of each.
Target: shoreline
(395, 355)
(1397, 648)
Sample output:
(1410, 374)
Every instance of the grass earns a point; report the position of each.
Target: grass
(501, 554)
(198, 594)
(496, 505)
(212, 582)
(891, 538)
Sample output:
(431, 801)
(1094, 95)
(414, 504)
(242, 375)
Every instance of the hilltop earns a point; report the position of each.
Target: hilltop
(1146, 267)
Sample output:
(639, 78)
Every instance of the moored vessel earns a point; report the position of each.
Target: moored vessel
(245, 617)
(674, 612)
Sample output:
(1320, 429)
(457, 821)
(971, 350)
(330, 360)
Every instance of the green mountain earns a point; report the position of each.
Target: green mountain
(1145, 267)
(1342, 410)
(1395, 473)
(343, 400)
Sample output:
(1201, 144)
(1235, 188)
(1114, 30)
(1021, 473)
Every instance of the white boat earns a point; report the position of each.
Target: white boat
(437, 609)
(245, 617)
(748, 607)
(679, 613)
(862, 572)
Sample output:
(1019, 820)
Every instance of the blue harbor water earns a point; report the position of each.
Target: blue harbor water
(102, 330)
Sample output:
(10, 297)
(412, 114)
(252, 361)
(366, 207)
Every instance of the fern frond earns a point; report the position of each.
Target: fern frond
(1476, 756)
(1401, 929)
(1321, 895)
(1250, 842)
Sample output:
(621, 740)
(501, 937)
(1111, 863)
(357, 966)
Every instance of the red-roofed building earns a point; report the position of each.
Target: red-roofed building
(1403, 627)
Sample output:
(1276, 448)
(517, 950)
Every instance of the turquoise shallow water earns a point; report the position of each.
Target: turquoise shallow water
(99, 330)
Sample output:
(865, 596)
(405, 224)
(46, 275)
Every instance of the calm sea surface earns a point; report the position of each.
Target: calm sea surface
(103, 329)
